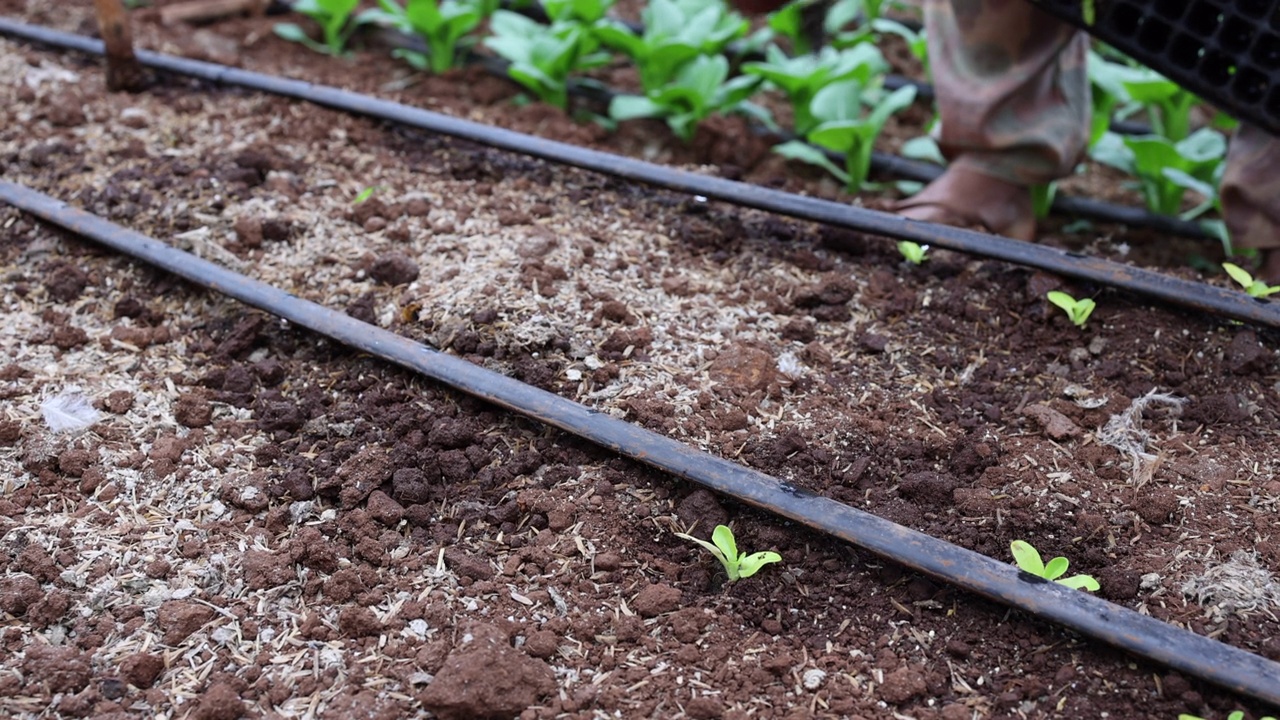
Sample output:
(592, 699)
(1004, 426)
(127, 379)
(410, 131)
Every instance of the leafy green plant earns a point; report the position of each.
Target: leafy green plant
(844, 129)
(699, 88)
(1028, 559)
(1168, 104)
(1078, 310)
(725, 549)
(333, 17)
(800, 78)
(1167, 169)
(1255, 288)
(915, 253)
(444, 25)
(675, 32)
(543, 56)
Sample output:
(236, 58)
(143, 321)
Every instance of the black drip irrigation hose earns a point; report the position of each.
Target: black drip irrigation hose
(1185, 293)
(1210, 660)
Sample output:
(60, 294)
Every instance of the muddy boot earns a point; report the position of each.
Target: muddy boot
(965, 197)
(124, 72)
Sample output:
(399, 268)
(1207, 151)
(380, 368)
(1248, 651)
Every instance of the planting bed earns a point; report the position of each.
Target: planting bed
(265, 524)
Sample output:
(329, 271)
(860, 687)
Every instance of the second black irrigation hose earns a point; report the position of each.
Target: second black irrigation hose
(1201, 657)
(1185, 293)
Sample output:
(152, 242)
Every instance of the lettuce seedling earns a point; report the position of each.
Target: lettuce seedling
(1028, 559)
(698, 89)
(1166, 169)
(915, 253)
(1078, 310)
(844, 130)
(800, 78)
(725, 549)
(332, 16)
(445, 27)
(1255, 288)
(543, 56)
(675, 32)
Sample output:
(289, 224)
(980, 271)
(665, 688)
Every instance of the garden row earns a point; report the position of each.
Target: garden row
(698, 58)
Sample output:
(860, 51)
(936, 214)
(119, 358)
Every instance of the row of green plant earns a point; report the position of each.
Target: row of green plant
(1079, 311)
(738, 565)
(687, 53)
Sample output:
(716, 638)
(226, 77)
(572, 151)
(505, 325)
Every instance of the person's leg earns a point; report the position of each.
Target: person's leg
(1013, 93)
(1250, 192)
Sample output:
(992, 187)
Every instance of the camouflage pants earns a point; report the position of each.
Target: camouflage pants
(1013, 92)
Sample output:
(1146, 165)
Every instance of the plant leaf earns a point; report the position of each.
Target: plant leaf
(1056, 568)
(749, 565)
(797, 150)
(1027, 557)
(1062, 300)
(722, 536)
(1239, 274)
(1081, 582)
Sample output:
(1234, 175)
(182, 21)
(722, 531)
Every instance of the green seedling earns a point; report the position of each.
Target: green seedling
(1167, 104)
(800, 78)
(365, 194)
(701, 87)
(445, 26)
(844, 129)
(915, 253)
(1028, 559)
(543, 56)
(1166, 169)
(1078, 310)
(675, 32)
(333, 17)
(725, 549)
(1255, 288)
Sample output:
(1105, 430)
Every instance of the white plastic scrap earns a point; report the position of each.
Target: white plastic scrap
(69, 411)
(1125, 433)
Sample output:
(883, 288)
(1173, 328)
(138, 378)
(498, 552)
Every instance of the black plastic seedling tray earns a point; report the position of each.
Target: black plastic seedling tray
(1225, 51)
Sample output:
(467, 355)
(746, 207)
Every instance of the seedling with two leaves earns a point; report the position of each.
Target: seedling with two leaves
(1255, 288)
(725, 549)
(913, 252)
(1078, 310)
(1028, 560)
(334, 19)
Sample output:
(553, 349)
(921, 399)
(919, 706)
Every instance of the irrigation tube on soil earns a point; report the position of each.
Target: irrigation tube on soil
(1210, 660)
(1199, 296)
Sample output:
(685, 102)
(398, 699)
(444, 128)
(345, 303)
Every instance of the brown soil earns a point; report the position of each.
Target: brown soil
(265, 524)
